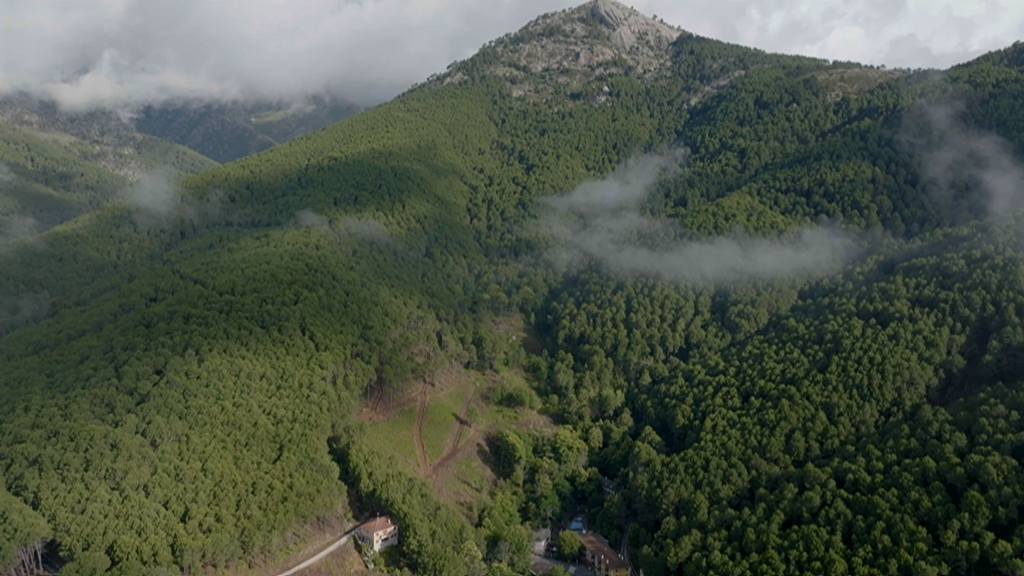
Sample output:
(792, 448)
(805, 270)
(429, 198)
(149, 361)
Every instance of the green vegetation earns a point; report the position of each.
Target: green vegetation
(48, 183)
(183, 389)
(569, 545)
(228, 131)
(48, 178)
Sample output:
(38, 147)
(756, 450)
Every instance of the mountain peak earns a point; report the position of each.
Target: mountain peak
(571, 47)
(627, 25)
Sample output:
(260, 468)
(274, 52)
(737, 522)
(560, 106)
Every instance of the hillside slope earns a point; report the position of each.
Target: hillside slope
(55, 165)
(229, 131)
(182, 393)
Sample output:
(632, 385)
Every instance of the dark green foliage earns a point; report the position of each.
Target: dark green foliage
(816, 444)
(226, 132)
(49, 183)
(434, 537)
(170, 383)
(53, 177)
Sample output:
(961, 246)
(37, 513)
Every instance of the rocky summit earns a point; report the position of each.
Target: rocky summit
(573, 46)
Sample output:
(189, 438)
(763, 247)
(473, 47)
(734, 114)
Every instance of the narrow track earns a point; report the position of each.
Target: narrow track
(320, 555)
(417, 430)
(454, 448)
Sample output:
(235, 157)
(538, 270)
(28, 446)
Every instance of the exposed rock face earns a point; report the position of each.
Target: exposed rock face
(100, 136)
(573, 46)
(629, 27)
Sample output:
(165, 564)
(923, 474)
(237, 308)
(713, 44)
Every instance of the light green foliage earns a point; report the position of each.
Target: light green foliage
(569, 545)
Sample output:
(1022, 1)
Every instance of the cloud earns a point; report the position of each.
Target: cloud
(155, 195)
(967, 172)
(89, 53)
(365, 227)
(900, 33)
(602, 221)
(156, 199)
(310, 219)
(360, 226)
(15, 229)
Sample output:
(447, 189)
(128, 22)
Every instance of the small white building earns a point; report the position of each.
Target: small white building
(541, 539)
(378, 534)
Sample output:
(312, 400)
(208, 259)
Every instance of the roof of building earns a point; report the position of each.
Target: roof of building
(377, 524)
(600, 549)
(542, 534)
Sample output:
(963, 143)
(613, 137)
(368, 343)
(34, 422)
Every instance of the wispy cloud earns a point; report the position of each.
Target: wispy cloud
(15, 229)
(967, 172)
(156, 199)
(112, 52)
(603, 221)
(359, 226)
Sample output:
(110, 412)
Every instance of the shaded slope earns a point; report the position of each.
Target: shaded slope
(226, 132)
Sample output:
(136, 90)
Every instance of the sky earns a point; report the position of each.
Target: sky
(95, 53)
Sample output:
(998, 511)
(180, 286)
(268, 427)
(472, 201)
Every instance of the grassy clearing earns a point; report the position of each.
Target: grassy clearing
(439, 420)
(462, 477)
(394, 436)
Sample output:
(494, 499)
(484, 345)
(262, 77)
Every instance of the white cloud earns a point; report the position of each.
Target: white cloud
(602, 221)
(904, 33)
(89, 52)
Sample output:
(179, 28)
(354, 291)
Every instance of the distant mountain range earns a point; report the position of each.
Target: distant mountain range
(226, 132)
(62, 164)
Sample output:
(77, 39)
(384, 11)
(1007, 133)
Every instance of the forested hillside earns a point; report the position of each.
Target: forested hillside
(56, 165)
(228, 131)
(790, 333)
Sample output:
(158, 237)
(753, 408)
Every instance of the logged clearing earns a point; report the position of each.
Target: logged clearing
(438, 428)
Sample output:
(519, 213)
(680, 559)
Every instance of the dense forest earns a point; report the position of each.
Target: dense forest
(179, 379)
(48, 177)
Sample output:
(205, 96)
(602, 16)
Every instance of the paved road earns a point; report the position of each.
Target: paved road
(323, 554)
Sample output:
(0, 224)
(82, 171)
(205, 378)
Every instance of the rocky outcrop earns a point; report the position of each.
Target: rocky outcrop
(630, 28)
(571, 47)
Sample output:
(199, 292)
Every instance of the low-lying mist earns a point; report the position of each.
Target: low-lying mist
(967, 173)
(603, 221)
(157, 199)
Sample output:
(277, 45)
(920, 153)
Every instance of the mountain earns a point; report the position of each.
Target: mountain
(570, 48)
(57, 165)
(229, 131)
(768, 309)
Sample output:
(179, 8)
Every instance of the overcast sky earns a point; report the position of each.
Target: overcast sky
(95, 52)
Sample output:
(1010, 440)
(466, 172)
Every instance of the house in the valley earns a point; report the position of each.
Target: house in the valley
(600, 556)
(378, 533)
